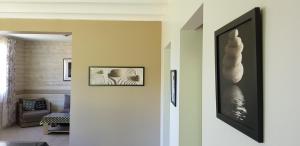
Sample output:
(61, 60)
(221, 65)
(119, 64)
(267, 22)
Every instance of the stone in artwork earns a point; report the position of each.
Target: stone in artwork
(232, 68)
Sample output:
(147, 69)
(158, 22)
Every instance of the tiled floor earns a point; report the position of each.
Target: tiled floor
(33, 134)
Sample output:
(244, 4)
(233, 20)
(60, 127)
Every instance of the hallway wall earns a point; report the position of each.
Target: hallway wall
(178, 13)
(190, 111)
(165, 100)
(280, 61)
(280, 72)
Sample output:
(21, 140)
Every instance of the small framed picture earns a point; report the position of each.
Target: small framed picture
(116, 76)
(239, 87)
(174, 87)
(67, 66)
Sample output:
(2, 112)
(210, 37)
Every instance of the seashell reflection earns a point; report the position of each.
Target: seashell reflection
(233, 102)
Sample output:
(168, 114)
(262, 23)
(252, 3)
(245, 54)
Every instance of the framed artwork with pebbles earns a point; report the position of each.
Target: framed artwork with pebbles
(116, 76)
(239, 83)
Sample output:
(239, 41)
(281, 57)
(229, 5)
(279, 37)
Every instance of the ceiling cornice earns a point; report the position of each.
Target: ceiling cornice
(88, 10)
(132, 2)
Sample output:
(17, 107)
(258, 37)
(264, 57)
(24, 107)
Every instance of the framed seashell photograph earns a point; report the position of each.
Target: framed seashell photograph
(116, 76)
(238, 70)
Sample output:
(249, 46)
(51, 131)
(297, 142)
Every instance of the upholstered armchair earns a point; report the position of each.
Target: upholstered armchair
(31, 111)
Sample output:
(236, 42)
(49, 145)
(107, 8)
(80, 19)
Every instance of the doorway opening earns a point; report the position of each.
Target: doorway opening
(165, 101)
(190, 90)
(36, 93)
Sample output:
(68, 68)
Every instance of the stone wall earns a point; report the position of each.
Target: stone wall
(39, 70)
(44, 65)
(19, 65)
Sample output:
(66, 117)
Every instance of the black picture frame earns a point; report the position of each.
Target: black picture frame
(173, 77)
(67, 69)
(112, 76)
(239, 80)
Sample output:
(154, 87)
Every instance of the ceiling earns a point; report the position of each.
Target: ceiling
(38, 37)
(145, 10)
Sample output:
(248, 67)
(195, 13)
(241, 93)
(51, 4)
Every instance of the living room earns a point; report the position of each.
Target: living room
(153, 34)
(39, 87)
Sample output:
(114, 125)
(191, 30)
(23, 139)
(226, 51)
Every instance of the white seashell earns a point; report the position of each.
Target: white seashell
(232, 67)
(234, 73)
(230, 61)
(233, 33)
(234, 45)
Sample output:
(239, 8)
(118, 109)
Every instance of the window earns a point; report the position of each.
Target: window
(3, 65)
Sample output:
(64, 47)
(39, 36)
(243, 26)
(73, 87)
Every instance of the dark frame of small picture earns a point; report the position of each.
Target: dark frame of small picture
(239, 79)
(173, 77)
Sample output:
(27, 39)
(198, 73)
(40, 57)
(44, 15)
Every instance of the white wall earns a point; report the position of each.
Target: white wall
(177, 14)
(281, 71)
(165, 100)
(190, 110)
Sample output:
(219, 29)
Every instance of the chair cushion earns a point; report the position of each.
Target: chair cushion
(30, 116)
(40, 105)
(28, 104)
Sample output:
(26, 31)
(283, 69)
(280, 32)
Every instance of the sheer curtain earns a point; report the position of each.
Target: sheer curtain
(7, 82)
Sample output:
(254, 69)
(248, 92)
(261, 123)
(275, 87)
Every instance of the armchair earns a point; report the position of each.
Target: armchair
(31, 111)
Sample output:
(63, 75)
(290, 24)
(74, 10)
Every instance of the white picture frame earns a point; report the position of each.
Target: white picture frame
(67, 69)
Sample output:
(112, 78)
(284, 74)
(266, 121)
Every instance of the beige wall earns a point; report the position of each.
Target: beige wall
(109, 116)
